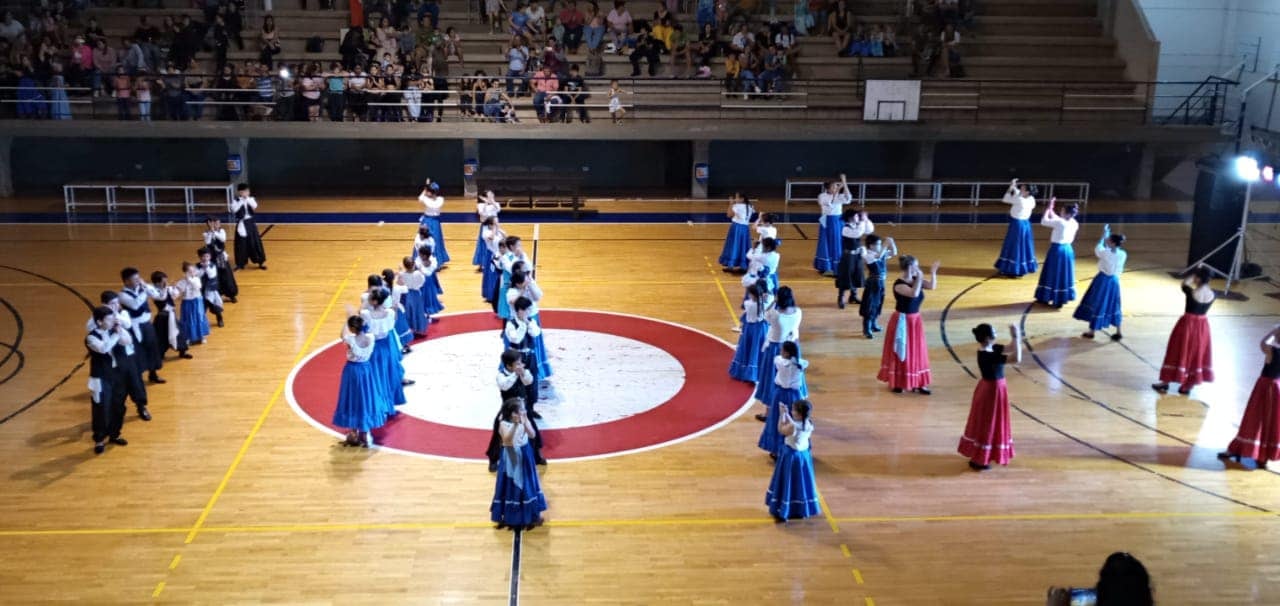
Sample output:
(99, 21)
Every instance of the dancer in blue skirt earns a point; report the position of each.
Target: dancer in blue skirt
(431, 290)
(793, 491)
(521, 334)
(1100, 306)
(515, 254)
(784, 325)
(432, 205)
(358, 407)
(1058, 280)
(381, 320)
(831, 201)
(788, 381)
(746, 358)
(523, 285)
(399, 291)
(414, 312)
(423, 239)
(486, 207)
(875, 256)
(1018, 255)
(518, 501)
(737, 243)
(491, 272)
(763, 262)
(192, 322)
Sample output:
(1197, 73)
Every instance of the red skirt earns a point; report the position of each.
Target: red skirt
(912, 372)
(988, 437)
(1259, 436)
(1188, 360)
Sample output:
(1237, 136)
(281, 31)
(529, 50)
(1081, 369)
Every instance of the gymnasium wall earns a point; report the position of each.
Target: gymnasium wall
(351, 167)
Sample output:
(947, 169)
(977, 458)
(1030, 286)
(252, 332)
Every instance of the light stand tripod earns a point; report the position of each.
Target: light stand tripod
(1237, 262)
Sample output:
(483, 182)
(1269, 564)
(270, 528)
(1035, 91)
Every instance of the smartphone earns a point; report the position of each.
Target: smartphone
(1083, 597)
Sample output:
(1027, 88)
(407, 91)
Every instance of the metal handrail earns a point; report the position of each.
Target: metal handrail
(935, 192)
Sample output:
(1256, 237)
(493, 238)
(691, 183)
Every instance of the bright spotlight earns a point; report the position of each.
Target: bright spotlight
(284, 73)
(1247, 169)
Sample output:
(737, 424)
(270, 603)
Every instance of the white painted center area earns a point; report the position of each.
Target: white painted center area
(597, 378)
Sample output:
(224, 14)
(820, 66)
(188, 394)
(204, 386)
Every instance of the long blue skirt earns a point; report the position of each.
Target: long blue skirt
(504, 310)
(489, 278)
(736, 245)
(1100, 306)
(770, 439)
(827, 256)
(1058, 280)
(192, 323)
(358, 405)
(746, 358)
(403, 330)
(481, 256)
(431, 292)
(433, 224)
(543, 371)
(517, 494)
(414, 312)
(766, 389)
(1018, 255)
(433, 283)
(793, 493)
(388, 371)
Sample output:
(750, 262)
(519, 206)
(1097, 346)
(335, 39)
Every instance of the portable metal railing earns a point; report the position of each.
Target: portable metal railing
(152, 201)
(934, 193)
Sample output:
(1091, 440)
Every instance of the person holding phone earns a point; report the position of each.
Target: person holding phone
(518, 501)
(793, 492)
(1123, 581)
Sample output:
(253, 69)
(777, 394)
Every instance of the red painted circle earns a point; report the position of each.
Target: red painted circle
(708, 398)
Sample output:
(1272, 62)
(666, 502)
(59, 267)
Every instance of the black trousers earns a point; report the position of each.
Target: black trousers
(108, 411)
(129, 378)
(249, 247)
(150, 356)
(162, 335)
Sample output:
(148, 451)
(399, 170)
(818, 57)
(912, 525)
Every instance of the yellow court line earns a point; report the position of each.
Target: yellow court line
(826, 512)
(262, 418)
(844, 548)
(763, 520)
(174, 564)
(869, 601)
(857, 576)
(159, 588)
(723, 294)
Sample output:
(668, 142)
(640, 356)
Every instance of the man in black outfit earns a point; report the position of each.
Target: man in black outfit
(646, 48)
(575, 90)
(514, 381)
(107, 343)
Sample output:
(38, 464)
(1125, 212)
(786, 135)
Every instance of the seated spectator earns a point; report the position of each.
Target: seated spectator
(122, 85)
(478, 87)
(681, 53)
(60, 108)
(741, 39)
(104, 63)
(545, 83)
(11, 28)
(733, 72)
(353, 49)
(785, 40)
(660, 14)
(572, 21)
(537, 22)
(518, 22)
(496, 102)
(647, 48)
(890, 41)
(226, 87)
(193, 96)
(553, 56)
(175, 84)
(840, 26)
(263, 81)
(430, 8)
(31, 103)
(802, 19)
(80, 62)
(1122, 581)
(269, 42)
(92, 32)
(575, 93)
(235, 24)
(310, 86)
(619, 21)
(517, 64)
(357, 95)
(709, 44)
(661, 32)
(493, 10)
(950, 52)
(453, 47)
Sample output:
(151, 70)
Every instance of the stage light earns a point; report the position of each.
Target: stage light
(1247, 169)
(1268, 174)
(284, 73)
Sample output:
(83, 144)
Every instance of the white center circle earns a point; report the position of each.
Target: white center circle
(597, 378)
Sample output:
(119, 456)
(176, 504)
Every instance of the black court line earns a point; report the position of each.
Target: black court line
(13, 347)
(800, 231)
(947, 343)
(513, 594)
(264, 232)
(83, 361)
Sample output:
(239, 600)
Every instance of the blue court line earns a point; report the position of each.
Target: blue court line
(566, 217)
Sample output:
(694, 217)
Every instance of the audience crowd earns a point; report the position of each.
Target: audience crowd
(396, 59)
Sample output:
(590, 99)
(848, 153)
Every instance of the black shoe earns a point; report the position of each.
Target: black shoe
(406, 351)
(143, 413)
(779, 520)
(1160, 387)
(854, 300)
(493, 467)
(1116, 337)
(868, 335)
(1226, 455)
(761, 418)
(897, 390)
(231, 299)
(875, 328)
(119, 441)
(840, 303)
(534, 415)
(924, 391)
(155, 379)
(1184, 390)
(540, 461)
(99, 448)
(220, 324)
(773, 455)
(185, 356)
(977, 467)
(407, 382)
(262, 266)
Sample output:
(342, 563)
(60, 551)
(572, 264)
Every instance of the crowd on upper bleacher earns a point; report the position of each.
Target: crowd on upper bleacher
(396, 66)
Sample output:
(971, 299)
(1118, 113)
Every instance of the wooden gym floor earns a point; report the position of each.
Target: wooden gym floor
(229, 497)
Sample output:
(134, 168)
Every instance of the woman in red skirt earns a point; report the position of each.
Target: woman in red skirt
(987, 436)
(1259, 436)
(905, 362)
(1188, 360)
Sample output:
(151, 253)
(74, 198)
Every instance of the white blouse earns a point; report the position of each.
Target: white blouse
(189, 287)
(858, 229)
(766, 231)
(783, 326)
(799, 439)
(531, 291)
(1022, 205)
(752, 312)
(1064, 230)
(487, 209)
(516, 329)
(431, 204)
(1110, 262)
(519, 437)
(355, 351)
(379, 327)
(788, 373)
(413, 280)
(741, 213)
(833, 204)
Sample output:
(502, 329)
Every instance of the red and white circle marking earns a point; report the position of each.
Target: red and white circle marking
(621, 384)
